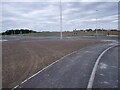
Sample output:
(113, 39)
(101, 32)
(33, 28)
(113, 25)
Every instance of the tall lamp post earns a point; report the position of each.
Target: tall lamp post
(96, 24)
(60, 20)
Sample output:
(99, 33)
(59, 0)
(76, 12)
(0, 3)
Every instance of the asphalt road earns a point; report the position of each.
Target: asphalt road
(107, 73)
(74, 70)
(30, 38)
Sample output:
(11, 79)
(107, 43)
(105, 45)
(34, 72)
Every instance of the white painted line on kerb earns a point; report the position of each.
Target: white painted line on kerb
(91, 80)
(46, 68)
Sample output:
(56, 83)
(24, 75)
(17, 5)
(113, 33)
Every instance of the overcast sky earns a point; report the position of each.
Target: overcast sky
(44, 16)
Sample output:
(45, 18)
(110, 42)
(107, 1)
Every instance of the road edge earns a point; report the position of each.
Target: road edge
(92, 76)
(47, 67)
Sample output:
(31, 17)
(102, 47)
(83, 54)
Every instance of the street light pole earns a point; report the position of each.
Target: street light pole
(60, 20)
(96, 23)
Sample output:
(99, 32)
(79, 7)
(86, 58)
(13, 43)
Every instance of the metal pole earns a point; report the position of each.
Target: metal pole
(96, 23)
(60, 20)
(21, 32)
(14, 32)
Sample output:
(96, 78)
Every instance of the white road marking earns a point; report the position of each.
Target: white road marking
(3, 40)
(91, 80)
(46, 68)
(101, 74)
(103, 66)
(89, 52)
(105, 82)
(114, 41)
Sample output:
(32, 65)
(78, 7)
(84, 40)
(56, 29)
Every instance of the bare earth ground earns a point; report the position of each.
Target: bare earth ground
(23, 59)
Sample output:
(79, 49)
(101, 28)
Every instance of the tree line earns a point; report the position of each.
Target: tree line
(88, 30)
(18, 31)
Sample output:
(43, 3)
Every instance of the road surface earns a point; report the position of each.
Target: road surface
(30, 38)
(74, 70)
(107, 73)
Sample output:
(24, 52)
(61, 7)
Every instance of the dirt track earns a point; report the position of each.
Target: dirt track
(23, 59)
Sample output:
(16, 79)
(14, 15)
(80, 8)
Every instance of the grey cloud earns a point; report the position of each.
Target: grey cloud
(45, 15)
